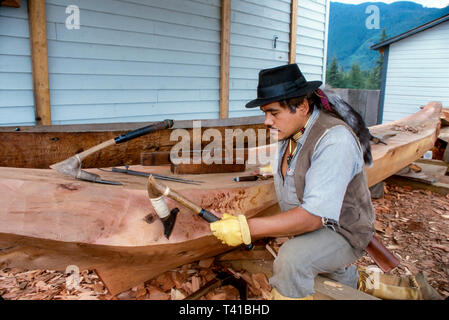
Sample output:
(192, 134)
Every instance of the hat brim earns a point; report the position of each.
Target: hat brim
(310, 87)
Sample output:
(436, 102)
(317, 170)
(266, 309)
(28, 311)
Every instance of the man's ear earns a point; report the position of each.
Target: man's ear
(304, 107)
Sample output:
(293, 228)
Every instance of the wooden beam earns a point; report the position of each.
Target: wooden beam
(39, 59)
(293, 31)
(10, 3)
(224, 57)
(326, 289)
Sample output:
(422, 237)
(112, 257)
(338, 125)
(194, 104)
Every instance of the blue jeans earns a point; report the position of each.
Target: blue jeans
(300, 259)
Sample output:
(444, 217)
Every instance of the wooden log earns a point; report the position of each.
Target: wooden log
(409, 139)
(58, 221)
(39, 59)
(10, 3)
(51, 221)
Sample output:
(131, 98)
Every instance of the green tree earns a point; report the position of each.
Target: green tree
(355, 77)
(375, 77)
(333, 74)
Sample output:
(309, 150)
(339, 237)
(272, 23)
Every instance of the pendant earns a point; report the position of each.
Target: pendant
(289, 159)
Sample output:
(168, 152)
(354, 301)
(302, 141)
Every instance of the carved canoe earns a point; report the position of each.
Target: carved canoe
(50, 221)
(40, 146)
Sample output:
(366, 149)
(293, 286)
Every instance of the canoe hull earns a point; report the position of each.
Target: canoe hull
(51, 221)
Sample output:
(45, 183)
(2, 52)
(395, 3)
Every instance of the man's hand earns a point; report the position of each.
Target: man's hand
(231, 230)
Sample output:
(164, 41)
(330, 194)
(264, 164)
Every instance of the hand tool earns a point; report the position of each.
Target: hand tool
(167, 217)
(157, 176)
(157, 190)
(252, 178)
(72, 165)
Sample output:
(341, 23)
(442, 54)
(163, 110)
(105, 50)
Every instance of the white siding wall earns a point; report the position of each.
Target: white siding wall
(146, 60)
(312, 38)
(418, 72)
(254, 25)
(16, 83)
(139, 60)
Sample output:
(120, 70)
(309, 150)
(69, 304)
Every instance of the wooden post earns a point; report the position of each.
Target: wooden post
(10, 3)
(293, 31)
(224, 57)
(39, 59)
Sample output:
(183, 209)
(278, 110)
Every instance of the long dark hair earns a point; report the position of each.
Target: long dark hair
(328, 100)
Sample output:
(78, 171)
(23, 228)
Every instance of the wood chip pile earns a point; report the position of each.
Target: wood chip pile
(413, 224)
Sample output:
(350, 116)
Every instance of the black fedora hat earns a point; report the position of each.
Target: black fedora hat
(280, 83)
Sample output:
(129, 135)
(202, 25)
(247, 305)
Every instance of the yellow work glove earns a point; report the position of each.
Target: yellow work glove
(231, 230)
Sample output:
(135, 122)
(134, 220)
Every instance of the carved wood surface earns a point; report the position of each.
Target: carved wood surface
(48, 220)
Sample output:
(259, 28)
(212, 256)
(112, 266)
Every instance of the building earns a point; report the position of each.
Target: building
(148, 60)
(415, 70)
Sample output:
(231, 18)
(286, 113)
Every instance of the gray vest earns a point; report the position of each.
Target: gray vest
(357, 213)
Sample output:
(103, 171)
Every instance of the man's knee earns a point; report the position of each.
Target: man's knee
(293, 259)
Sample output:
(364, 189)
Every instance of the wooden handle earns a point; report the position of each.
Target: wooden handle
(98, 147)
(174, 195)
(206, 215)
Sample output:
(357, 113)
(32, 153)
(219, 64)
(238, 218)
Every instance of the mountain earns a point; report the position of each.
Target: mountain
(350, 40)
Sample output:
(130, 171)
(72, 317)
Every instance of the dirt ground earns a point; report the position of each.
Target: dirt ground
(413, 224)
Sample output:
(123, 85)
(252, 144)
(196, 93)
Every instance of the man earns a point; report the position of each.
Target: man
(320, 184)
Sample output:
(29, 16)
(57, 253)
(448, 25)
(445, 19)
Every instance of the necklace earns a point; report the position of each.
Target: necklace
(295, 138)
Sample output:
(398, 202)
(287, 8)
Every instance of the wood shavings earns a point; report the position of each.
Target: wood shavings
(410, 223)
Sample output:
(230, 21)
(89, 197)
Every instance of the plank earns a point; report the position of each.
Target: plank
(429, 173)
(258, 253)
(155, 158)
(444, 134)
(39, 147)
(293, 31)
(330, 290)
(202, 168)
(441, 187)
(225, 49)
(39, 58)
(433, 161)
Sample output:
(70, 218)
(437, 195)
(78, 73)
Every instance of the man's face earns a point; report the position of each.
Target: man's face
(282, 122)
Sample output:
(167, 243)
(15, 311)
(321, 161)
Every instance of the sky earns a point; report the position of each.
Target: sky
(425, 3)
